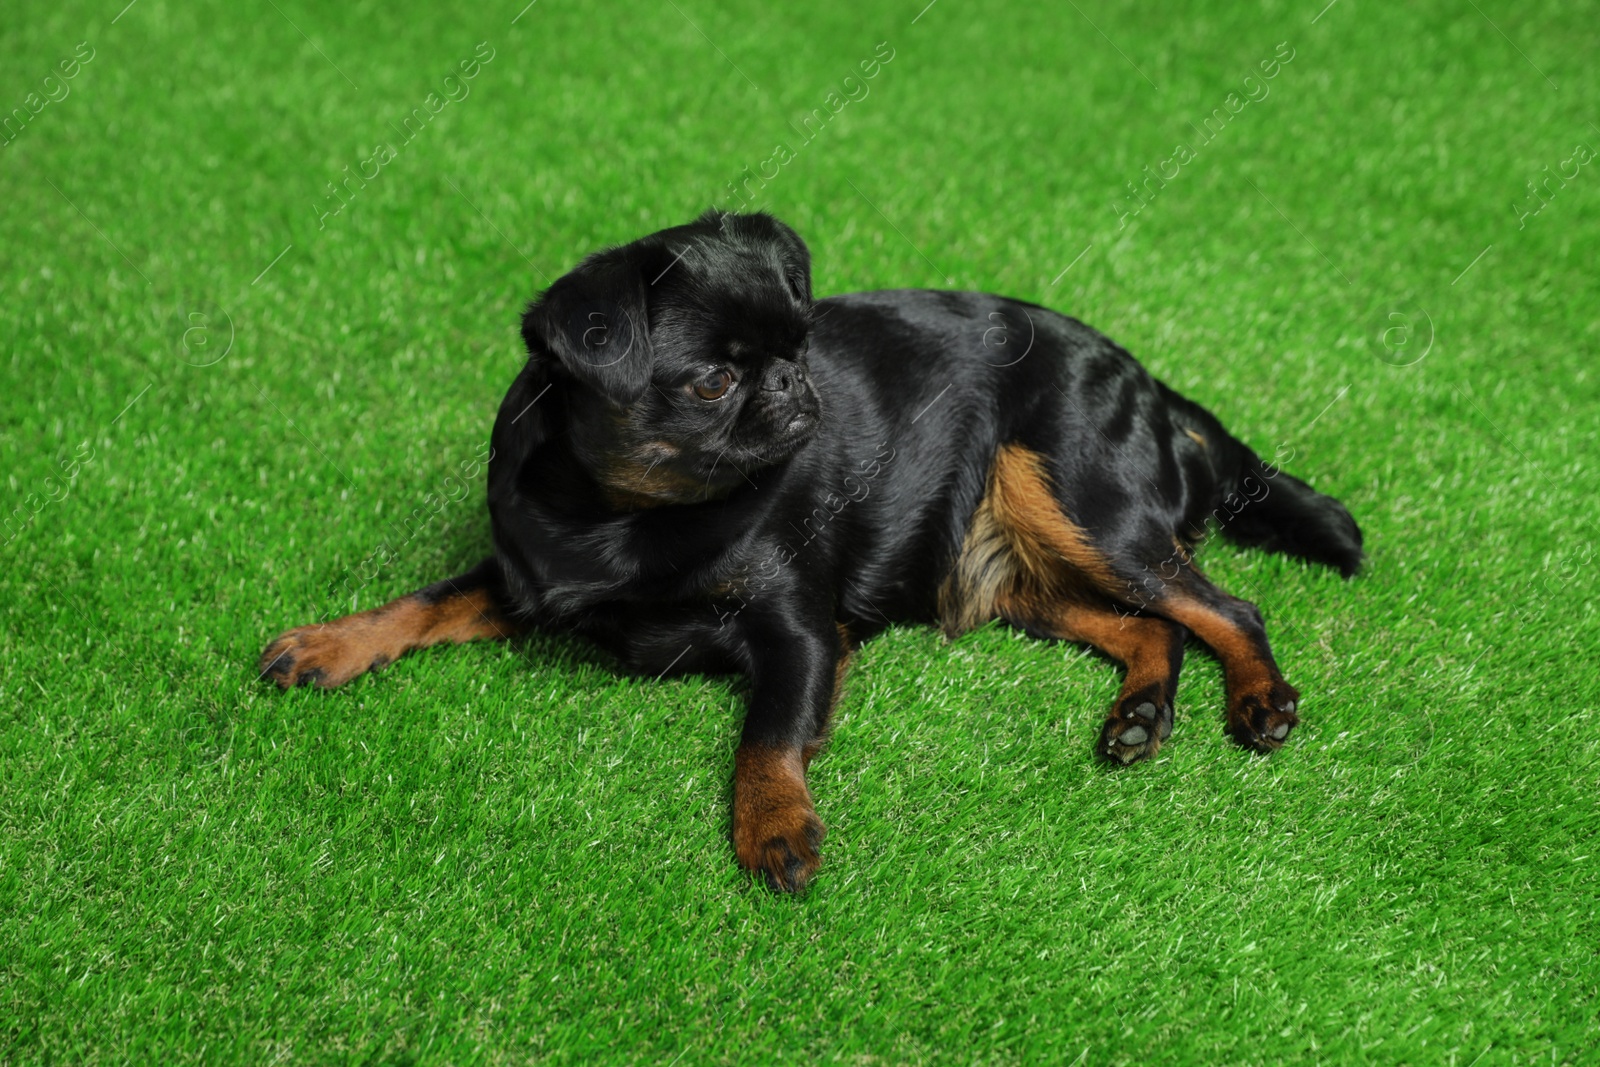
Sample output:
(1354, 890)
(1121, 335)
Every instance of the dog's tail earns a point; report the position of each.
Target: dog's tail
(1294, 518)
(1281, 513)
(1256, 503)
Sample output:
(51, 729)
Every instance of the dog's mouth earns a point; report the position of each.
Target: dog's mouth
(786, 441)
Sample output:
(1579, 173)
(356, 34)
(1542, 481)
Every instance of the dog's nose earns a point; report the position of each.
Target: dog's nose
(781, 376)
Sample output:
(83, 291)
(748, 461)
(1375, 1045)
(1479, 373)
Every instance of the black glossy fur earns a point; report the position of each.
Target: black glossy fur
(829, 492)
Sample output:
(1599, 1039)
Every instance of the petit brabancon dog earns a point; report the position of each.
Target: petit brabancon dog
(702, 468)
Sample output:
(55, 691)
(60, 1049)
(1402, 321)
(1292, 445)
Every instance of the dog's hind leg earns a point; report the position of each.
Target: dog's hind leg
(1024, 561)
(1150, 648)
(331, 653)
(1261, 705)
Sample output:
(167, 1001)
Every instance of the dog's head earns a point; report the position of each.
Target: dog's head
(683, 357)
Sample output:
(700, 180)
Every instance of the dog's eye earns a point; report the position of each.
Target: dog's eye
(714, 386)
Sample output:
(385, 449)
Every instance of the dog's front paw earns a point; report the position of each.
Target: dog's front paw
(776, 832)
(1135, 729)
(322, 654)
(1262, 720)
(783, 850)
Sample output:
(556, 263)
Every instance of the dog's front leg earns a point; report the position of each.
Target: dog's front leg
(793, 670)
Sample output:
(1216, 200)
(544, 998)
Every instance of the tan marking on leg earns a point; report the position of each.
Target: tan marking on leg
(776, 831)
(1151, 649)
(1242, 661)
(331, 653)
(1141, 643)
(1262, 707)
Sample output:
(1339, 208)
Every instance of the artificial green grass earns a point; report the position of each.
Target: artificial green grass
(496, 854)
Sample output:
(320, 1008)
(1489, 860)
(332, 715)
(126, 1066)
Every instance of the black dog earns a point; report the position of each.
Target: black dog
(703, 469)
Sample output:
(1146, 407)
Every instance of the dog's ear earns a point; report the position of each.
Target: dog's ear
(595, 322)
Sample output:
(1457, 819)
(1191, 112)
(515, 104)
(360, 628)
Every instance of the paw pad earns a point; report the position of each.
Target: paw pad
(1135, 731)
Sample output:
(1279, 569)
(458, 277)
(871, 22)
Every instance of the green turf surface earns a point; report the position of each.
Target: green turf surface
(220, 405)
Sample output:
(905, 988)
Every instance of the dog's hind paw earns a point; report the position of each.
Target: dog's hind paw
(1261, 721)
(1134, 730)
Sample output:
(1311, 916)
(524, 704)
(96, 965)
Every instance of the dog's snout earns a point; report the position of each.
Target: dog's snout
(782, 376)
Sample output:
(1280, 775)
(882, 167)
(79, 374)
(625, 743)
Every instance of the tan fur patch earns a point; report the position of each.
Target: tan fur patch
(1242, 659)
(1139, 642)
(1020, 549)
(647, 478)
(331, 653)
(775, 827)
